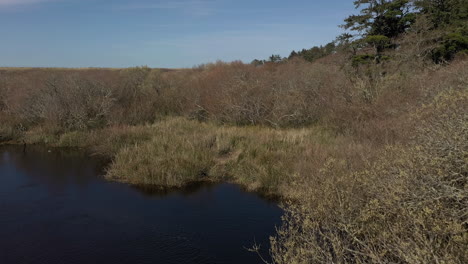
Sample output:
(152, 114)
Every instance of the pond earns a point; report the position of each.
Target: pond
(55, 207)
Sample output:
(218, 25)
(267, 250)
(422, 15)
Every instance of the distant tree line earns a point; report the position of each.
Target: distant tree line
(380, 22)
(309, 55)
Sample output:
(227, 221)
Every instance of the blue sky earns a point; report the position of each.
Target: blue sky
(161, 33)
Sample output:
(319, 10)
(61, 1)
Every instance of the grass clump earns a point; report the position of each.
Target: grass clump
(179, 152)
(262, 159)
(10, 129)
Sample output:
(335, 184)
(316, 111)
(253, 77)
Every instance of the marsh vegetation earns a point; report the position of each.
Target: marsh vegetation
(366, 145)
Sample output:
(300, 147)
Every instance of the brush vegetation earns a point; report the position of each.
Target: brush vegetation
(364, 140)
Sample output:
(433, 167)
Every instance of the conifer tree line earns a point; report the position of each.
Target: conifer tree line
(380, 22)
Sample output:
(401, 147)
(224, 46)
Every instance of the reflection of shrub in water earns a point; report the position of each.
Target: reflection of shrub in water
(55, 167)
(186, 190)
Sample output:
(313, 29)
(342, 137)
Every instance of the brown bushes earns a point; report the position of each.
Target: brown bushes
(135, 96)
(408, 206)
(3, 92)
(292, 94)
(70, 103)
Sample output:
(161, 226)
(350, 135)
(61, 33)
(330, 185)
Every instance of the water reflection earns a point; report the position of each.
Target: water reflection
(54, 168)
(186, 191)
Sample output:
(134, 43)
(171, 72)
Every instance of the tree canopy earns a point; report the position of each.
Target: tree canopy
(379, 22)
(381, 17)
(444, 12)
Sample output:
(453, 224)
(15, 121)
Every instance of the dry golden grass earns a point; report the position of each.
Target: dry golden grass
(181, 151)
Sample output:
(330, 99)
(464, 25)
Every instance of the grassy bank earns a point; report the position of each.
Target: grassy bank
(177, 151)
(182, 151)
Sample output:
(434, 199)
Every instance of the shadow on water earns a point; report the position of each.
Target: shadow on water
(186, 190)
(56, 208)
(195, 187)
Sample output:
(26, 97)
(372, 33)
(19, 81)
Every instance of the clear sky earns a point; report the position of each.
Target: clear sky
(161, 33)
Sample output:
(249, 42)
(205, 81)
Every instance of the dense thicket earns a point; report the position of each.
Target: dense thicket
(289, 93)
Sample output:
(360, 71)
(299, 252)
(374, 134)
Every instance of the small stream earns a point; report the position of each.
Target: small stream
(56, 208)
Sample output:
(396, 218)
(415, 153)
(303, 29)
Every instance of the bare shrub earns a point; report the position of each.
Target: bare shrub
(135, 94)
(407, 207)
(307, 93)
(72, 103)
(296, 93)
(177, 94)
(3, 92)
(224, 94)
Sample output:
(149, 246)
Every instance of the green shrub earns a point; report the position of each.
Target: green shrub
(453, 43)
(379, 42)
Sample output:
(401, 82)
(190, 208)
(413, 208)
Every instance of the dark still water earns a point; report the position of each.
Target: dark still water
(55, 208)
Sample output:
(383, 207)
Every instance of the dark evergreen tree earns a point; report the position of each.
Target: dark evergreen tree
(444, 12)
(293, 54)
(381, 17)
(275, 58)
(257, 62)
